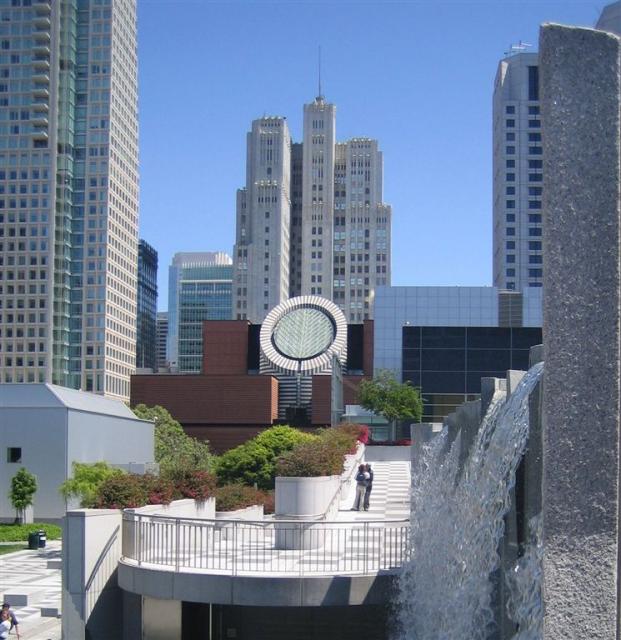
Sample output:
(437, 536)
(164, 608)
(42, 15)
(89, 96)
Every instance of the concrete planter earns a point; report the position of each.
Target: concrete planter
(302, 499)
(186, 508)
(249, 514)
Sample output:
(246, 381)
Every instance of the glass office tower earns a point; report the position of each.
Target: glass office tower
(199, 288)
(68, 193)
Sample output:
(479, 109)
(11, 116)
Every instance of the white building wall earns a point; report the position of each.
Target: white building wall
(41, 435)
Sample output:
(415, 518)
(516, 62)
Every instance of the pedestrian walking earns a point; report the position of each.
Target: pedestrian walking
(369, 487)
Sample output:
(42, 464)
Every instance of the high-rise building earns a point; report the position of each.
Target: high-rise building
(610, 18)
(323, 228)
(199, 288)
(161, 331)
(518, 165)
(263, 220)
(146, 344)
(518, 174)
(69, 201)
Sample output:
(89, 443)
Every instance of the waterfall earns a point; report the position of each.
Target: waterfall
(445, 590)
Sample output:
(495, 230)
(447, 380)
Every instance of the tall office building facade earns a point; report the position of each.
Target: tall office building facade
(262, 243)
(329, 230)
(518, 174)
(69, 193)
(161, 337)
(146, 341)
(199, 288)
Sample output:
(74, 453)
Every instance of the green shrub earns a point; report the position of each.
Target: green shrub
(21, 494)
(174, 449)
(239, 496)
(309, 460)
(324, 456)
(86, 480)
(122, 492)
(131, 490)
(253, 461)
(19, 532)
(195, 484)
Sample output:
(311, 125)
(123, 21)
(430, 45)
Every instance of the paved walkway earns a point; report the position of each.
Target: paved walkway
(26, 572)
(390, 496)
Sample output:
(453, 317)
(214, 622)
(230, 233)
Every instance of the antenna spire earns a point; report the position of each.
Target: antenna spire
(319, 94)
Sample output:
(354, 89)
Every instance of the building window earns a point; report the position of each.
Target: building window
(510, 273)
(510, 123)
(510, 204)
(510, 150)
(511, 231)
(535, 273)
(511, 217)
(14, 454)
(510, 244)
(510, 108)
(510, 177)
(511, 259)
(533, 83)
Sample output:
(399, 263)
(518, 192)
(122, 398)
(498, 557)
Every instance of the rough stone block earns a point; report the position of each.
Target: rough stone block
(579, 84)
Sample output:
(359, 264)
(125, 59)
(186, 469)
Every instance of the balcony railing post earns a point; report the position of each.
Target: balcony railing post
(235, 548)
(177, 540)
(365, 547)
(138, 536)
(300, 527)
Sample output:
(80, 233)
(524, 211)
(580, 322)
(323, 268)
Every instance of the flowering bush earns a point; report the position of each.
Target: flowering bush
(122, 492)
(198, 485)
(359, 431)
(231, 497)
(127, 490)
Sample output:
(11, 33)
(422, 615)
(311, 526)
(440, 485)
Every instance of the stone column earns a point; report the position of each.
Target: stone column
(579, 73)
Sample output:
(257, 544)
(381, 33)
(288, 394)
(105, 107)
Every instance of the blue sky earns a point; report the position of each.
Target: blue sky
(416, 75)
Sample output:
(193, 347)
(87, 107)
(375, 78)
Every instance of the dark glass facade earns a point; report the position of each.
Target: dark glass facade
(146, 340)
(447, 363)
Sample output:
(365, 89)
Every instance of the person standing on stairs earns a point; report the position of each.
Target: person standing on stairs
(362, 479)
(369, 487)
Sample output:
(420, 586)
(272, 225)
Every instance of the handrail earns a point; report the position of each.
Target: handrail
(259, 523)
(279, 547)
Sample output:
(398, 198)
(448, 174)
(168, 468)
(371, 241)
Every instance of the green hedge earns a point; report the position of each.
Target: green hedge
(253, 462)
(239, 496)
(323, 457)
(19, 532)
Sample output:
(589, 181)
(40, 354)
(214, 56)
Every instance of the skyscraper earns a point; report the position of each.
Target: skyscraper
(146, 343)
(69, 200)
(329, 230)
(199, 288)
(263, 221)
(518, 174)
(161, 330)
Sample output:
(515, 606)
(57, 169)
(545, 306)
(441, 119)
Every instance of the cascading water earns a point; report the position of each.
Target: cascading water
(445, 590)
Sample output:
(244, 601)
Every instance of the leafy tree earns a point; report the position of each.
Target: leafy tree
(21, 494)
(253, 461)
(174, 449)
(391, 399)
(86, 480)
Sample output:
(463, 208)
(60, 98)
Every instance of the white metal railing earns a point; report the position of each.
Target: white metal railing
(281, 547)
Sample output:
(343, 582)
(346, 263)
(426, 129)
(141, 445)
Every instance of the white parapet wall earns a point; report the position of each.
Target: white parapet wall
(90, 596)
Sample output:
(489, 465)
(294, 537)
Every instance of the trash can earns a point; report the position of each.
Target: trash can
(42, 538)
(33, 540)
